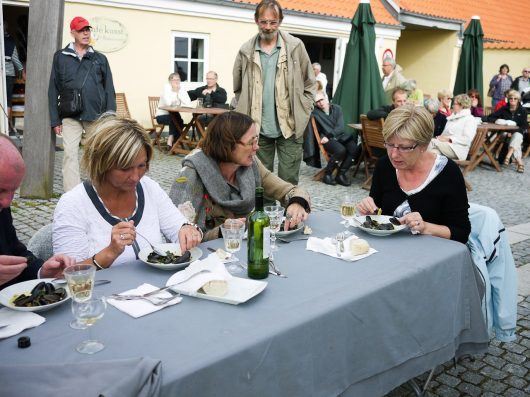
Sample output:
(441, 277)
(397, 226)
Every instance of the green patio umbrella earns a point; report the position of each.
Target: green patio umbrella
(469, 73)
(360, 88)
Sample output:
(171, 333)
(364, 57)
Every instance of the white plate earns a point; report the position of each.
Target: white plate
(196, 253)
(240, 290)
(380, 219)
(25, 287)
(283, 233)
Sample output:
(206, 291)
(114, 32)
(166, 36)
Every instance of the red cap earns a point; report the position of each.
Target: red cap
(78, 23)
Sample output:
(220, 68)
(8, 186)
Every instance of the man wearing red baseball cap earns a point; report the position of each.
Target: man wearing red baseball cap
(78, 72)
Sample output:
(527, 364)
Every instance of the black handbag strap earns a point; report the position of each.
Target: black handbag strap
(86, 76)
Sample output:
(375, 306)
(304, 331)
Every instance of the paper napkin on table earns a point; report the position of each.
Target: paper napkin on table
(140, 307)
(326, 246)
(199, 273)
(17, 321)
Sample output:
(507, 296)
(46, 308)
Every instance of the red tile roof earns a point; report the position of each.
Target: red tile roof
(505, 23)
(334, 8)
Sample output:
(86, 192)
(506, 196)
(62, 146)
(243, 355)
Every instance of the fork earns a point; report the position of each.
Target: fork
(276, 270)
(340, 237)
(154, 300)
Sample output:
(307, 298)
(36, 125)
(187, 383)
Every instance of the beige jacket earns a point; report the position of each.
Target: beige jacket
(396, 80)
(295, 84)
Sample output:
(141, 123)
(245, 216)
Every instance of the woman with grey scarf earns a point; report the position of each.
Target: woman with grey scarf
(218, 180)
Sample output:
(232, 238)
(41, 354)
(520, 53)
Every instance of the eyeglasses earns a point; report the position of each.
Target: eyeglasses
(265, 22)
(473, 96)
(401, 149)
(513, 99)
(251, 143)
(526, 71)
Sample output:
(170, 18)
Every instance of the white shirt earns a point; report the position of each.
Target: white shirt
(172, 98)
(386, 79)
(80, 231)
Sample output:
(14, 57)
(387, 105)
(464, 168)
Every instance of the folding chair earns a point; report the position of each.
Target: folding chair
(473, 156)
(156, 129)
(372, 138)
(122, 110)
(318, 176)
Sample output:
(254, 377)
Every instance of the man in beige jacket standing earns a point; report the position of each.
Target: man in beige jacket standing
(274, 84)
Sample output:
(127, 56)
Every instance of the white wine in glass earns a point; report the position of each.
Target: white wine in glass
(80, 280)
(347, 209)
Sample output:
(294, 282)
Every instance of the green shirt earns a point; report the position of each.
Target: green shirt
(269, 120)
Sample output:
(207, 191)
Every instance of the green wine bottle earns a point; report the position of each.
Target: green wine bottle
(258, 240)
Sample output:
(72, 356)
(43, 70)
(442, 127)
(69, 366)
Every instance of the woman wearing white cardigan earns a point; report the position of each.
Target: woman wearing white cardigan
(174, 95)
(456, 138)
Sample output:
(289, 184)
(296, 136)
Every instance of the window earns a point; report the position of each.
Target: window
(189, 56)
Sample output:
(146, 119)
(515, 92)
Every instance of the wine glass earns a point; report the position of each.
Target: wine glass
(88, 312)
(232, 231)
(80, 280)
(275, 213)
(347, 210)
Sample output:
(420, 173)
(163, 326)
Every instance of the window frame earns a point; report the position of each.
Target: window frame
(205, 60)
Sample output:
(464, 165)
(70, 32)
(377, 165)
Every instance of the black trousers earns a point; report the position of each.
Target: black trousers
(167, 120)
(341, 153)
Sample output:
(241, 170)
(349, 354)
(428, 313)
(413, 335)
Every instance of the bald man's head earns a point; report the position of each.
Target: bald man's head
(12, 170)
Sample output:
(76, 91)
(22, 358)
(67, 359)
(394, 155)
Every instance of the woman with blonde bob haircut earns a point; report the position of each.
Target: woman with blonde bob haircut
(459, 131)
(425, 190)
(96, 222)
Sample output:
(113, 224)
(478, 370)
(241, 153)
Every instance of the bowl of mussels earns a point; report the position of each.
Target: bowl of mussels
(173, 259)
(34, 295)
(378, 225)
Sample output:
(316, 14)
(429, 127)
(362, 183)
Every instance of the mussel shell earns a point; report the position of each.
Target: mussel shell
(49, 288)
(395, 221)
(61, 292)
(385, 226)
(40, 287)
(50, 298)
(23, 300)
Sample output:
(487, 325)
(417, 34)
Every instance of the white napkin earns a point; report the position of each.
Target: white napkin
(199, 273)
(140, 307)
(17, 321)
(226, 257)
(325, 246)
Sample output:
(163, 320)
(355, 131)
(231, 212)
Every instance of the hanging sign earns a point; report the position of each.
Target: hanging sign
(108, 35)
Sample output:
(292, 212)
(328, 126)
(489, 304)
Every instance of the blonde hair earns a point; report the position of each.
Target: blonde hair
(444, 93)
(409, 122)
(463, 100)
(513, 94)
(114, 144)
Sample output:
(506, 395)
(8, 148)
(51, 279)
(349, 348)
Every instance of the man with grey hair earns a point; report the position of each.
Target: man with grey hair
(16, 262)
(275, 85)
(317, 68)
(392, 77)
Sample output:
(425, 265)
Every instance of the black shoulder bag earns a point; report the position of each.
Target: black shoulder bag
(70, 102)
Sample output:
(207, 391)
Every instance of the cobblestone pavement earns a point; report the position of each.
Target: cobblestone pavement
(503, 371)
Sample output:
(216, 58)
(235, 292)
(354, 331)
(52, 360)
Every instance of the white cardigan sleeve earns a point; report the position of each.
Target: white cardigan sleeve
(169, 216)
(70, 227)
(184, 98)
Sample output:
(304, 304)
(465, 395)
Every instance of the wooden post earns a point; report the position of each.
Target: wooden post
(44, 38)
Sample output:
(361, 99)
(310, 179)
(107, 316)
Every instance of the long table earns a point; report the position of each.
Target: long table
(332, 327)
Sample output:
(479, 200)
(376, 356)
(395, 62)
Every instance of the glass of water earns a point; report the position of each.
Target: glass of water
(80, 281)
(275, 213)
(233, 230)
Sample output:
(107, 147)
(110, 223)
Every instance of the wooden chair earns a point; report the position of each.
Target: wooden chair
(156, 129)
(473, 156)
(320, 174)
(122, 110)
(372, 138)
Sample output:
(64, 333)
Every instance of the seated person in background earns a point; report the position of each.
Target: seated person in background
(399, 98)
(174, 95)
(433, 106)
(213, 95)
(445, 97)
(515, 112)
(415, 94)
(17, 264)
(218, 180)
(321, 78)
(340, 145)
(461, 127)
(477, 109)
(96, 222)
(426, 191)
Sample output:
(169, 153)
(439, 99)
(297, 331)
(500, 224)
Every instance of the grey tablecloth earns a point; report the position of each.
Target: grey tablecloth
(332, 327)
